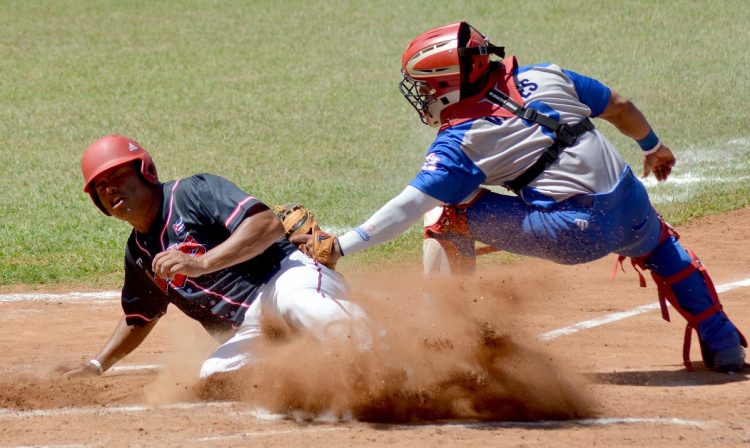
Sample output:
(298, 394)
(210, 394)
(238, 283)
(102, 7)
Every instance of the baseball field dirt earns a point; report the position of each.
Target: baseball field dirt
(522, 354)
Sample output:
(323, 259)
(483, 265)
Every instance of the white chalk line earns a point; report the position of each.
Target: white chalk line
(135, 368)
(7, 414)
(592, 323)
(67, 297)
(588, 324)
(261, 414)
(277, 432)
(542, 424)
(585, 325)
(578, 422)
(51, 446)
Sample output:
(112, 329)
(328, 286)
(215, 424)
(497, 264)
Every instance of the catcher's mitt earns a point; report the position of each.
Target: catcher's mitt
(296, 218)
(302, 229)
(325, 249)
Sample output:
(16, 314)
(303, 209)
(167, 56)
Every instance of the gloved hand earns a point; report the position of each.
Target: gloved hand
(321, 246)
(303, 230)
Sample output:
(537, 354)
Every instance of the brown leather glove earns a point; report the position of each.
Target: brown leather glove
(297, 219)
(303, 230)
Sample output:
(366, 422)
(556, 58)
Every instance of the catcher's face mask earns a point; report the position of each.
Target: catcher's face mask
(420, 95)
(439, 64)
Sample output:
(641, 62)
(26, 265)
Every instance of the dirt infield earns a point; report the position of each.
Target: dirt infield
(465, 359)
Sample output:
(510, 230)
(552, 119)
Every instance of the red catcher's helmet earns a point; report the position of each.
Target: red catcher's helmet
(110, 152)
(444, 65)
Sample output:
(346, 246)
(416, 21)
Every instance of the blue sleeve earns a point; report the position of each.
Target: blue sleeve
(591, 92)
(448, 174)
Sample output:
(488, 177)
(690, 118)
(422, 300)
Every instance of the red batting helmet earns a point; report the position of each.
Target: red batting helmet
(112, 151)
(442, 66)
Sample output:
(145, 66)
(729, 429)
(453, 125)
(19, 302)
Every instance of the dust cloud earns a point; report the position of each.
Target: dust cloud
(441, 350)
(438, 350)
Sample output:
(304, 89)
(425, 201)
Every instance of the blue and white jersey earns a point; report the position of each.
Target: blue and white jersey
(493, 150)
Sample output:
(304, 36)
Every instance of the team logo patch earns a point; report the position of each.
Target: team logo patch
(362, 233)
(132, 147)
(431, 161)
(179, 227)
(190, 247)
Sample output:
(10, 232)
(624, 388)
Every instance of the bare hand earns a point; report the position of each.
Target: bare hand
(82, 369)
(303, 242)
(660, 163)
(171, 262)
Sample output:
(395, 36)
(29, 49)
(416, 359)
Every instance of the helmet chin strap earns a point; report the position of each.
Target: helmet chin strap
(488, 49)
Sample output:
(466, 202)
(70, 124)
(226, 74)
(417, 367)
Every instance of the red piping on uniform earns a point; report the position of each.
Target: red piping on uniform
(140, 316)
(320, 279)
(137, 243)
(237, 210)
(216, 294)
(320, 291)
(169, 215)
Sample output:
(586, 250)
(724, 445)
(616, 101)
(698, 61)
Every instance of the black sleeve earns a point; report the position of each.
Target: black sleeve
(142, 299)
(221, 200)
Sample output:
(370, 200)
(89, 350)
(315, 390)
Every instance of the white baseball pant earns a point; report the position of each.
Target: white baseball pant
(304, 295)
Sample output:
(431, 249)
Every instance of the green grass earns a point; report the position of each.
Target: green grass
(298, 101)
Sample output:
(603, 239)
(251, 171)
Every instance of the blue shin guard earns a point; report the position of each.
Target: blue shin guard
(683, 281)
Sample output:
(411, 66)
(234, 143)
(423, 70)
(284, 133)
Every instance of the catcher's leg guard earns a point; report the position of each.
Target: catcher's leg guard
(448, 246)
(683, 281)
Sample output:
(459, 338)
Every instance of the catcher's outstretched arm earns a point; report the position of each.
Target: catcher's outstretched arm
(393, 219)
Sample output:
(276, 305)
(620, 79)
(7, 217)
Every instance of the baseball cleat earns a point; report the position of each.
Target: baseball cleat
(730, 359)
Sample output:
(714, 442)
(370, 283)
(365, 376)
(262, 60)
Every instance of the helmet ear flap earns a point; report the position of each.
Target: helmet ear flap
(474, 66)
(465, 61)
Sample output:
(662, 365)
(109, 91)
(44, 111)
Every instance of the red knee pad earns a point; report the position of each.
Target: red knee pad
(448, 246)
(448, 243)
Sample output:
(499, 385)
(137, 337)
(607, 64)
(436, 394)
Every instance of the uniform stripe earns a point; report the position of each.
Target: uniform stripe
(237, 210)
(320, 289)
(169, 215)
(140, 246)
(216, 294)
(140, 316)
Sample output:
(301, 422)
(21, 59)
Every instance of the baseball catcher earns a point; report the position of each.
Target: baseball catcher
(572, 198)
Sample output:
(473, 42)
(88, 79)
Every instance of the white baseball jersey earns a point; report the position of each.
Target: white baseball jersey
(493, 150)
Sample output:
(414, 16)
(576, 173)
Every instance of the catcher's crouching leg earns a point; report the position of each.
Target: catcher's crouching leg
(683, 281)
(448, 246)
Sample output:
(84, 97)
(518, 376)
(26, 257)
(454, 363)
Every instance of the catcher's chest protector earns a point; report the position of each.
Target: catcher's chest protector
(477, 106)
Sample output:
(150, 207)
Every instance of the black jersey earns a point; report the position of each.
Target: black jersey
(197, 214)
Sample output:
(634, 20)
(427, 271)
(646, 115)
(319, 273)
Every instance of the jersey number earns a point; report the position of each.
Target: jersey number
(525, 87)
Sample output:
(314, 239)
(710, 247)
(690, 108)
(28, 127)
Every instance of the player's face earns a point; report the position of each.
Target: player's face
(123, 192)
